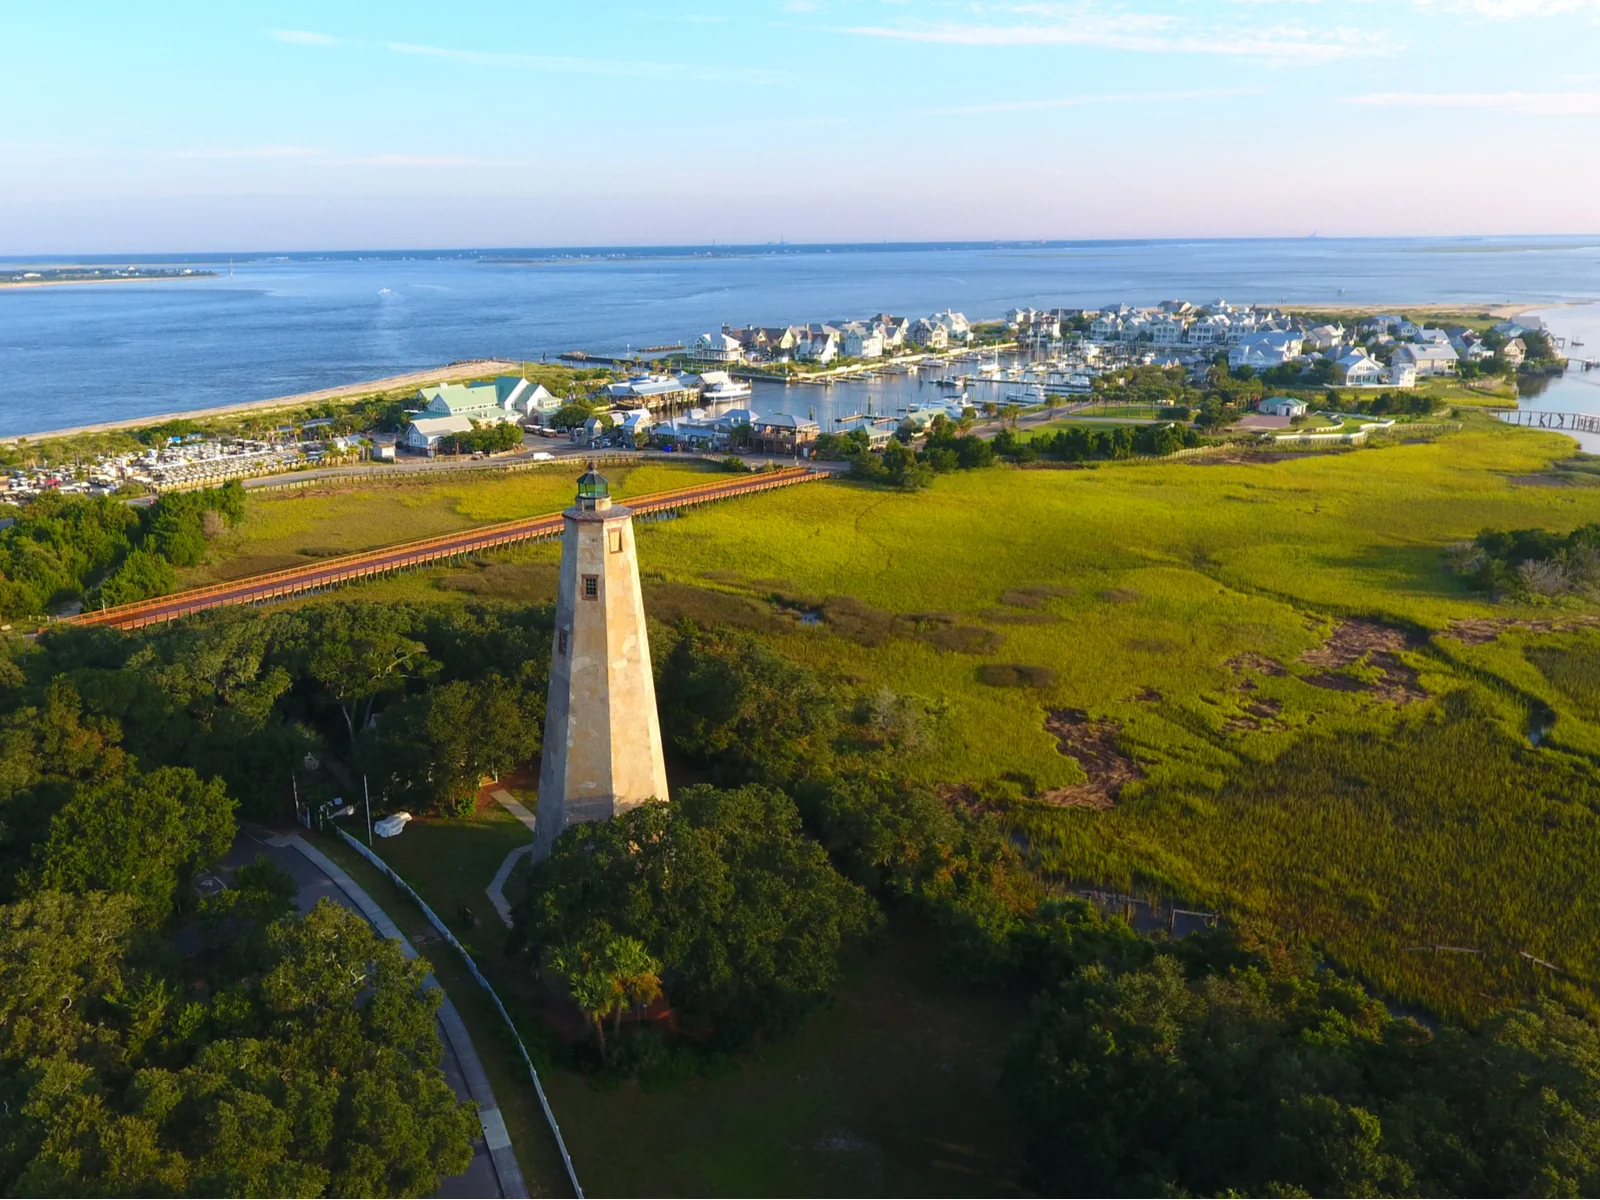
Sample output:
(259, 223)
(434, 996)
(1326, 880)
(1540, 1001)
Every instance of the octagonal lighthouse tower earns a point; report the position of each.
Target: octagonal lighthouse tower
(602, 734)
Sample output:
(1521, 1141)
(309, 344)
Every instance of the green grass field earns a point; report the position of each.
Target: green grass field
(286, 528)
(1176, 600)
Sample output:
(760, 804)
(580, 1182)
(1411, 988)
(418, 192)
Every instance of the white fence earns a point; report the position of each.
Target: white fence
(445, 933)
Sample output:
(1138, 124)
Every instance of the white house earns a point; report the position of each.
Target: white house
(425, 432)
(488, 401)
(1282, 406)
(1403, 374)
(893, 329)
(1430, 359)
(1359, 370)
(1167, 331)
(1324, 337)
(716, 347)
(1208, 331)
(651, 391)
(859, 340)
(818, 344)
(1262, 350)
(1107, 327)
(1515, 352)
(955, 325)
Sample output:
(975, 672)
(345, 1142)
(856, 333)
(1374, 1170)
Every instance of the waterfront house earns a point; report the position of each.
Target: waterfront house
(716, 348)
(817, 344)
(928, 335)
(1515, 352)
(1107, 327)
(1511, 329)
(651, 391)
(954, 323)
(892, 328)
(1038, 328)
(1359, 370)
(783, 434)
(1430, 359)
(860, 340)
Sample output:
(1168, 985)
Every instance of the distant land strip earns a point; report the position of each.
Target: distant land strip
(455, 371)
(38, 283)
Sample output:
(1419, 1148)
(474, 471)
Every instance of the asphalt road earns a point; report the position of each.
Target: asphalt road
(479, 1178)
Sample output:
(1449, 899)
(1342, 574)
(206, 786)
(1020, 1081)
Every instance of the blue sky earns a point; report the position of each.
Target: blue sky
(173, 127)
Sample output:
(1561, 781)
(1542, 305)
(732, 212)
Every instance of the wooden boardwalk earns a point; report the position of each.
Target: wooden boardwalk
(312, 577)
(1539, 419)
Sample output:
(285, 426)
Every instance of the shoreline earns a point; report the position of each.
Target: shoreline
(477, 367)
(38, 283)
(450, 374)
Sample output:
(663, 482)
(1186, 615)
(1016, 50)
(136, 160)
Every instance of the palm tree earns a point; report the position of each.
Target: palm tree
(638, 975)
(592, 983)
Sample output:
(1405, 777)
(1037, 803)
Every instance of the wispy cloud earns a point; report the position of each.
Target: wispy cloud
(304, 37)
(1513, 10)
(321, 156)
(1084, 101)
(1047, 24)
(1538, 104)
(199, 152)
(566, 64)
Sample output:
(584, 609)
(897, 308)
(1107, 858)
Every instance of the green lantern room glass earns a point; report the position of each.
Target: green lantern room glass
(592, 488)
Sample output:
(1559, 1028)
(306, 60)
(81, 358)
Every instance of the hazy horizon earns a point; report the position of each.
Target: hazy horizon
(702, 249)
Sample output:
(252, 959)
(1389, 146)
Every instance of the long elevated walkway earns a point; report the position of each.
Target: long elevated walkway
(331, 571)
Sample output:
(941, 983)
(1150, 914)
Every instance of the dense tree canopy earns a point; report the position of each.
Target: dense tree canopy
(742, 909)
(1213, 1068)
(317, 1073)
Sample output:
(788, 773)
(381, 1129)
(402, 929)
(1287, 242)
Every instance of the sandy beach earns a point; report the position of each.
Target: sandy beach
(450, 374)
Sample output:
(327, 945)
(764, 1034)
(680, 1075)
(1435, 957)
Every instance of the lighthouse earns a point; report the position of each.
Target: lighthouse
(602, 734)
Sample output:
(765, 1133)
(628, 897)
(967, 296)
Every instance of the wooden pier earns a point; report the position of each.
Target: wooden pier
(1533, 418)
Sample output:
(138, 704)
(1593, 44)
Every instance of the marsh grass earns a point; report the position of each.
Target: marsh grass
(1175, 602)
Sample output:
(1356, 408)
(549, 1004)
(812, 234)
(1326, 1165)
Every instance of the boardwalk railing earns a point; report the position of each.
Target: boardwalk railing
(444, 932)
(331, 571)
(1535, 418)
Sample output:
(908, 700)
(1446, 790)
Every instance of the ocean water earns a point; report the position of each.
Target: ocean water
(284, 324)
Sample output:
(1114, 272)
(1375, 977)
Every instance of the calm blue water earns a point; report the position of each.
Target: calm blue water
(78, 355)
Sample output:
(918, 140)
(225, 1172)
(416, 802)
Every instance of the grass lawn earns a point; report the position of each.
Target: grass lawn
(1134, 412)
(294, 526)
(891, 1090)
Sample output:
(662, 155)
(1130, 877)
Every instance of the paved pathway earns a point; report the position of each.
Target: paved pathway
(494, 1171)
(497, 889)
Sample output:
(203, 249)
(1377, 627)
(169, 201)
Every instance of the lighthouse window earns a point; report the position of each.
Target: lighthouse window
(562, 641)
(591, 587)
(614, 540)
